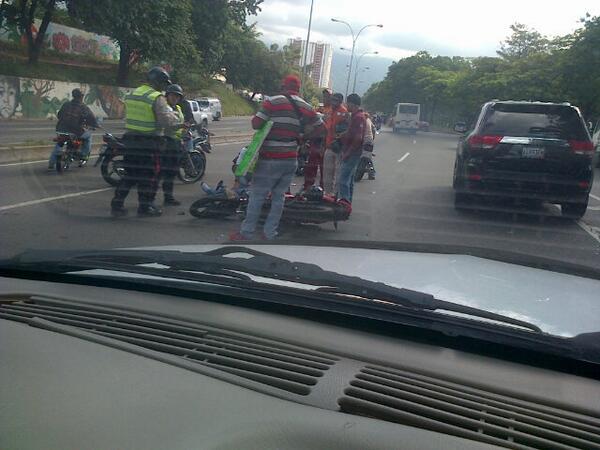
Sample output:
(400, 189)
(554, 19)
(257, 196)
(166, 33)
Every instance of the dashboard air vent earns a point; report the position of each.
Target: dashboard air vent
(417, 400)
(268, 362)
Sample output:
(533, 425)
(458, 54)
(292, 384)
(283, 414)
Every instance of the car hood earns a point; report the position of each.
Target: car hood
(560, 304)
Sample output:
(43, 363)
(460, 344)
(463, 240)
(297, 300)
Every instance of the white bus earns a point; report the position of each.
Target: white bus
(407, 117)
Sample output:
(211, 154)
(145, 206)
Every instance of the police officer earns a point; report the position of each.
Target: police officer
(148, 114)
(171, 158)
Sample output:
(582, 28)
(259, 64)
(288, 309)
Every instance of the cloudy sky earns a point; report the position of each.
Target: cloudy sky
(445, 27)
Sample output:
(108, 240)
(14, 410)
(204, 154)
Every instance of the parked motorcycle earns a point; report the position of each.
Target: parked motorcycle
(313, 207)
(365, 166)
(71, 150)
(193, 160)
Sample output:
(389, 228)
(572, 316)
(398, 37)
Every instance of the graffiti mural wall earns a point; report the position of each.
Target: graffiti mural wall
(30, 98)
(65, 39)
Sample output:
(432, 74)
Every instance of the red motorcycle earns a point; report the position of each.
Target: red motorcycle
(71, 150)
(312, 207)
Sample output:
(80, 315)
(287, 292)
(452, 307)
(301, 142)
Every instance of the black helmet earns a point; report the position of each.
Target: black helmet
(76, 93)
(314, 194)
(174, 89)
(158, 77)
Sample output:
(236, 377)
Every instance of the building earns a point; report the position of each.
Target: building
(318, 58)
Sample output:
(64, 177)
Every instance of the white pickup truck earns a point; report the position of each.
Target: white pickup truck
(200, 116)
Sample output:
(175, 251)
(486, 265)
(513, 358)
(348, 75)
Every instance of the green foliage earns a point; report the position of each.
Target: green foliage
(146, 30)
(529, 67)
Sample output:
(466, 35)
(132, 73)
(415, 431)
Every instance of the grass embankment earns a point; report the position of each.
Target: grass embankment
(83, 69)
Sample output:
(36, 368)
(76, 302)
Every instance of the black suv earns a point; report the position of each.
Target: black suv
(526, 150)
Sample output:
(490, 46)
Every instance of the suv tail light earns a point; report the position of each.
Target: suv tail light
(484, 142)
(582, 147)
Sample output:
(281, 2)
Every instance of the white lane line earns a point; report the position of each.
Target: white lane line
(595, 197)
(594, 232)
(39, 161)
(51, 199)
(404, 157)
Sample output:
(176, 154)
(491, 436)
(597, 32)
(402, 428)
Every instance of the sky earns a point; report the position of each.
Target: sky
(450, 27)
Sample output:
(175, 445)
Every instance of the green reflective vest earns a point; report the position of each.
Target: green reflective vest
(140, 116)
(176, 133)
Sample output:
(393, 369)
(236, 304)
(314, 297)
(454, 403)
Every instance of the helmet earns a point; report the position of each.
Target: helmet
(76, 93)
(158, 77)
(174, 89)
(314, 194)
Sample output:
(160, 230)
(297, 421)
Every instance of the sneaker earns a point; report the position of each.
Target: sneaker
(171, 201)
(118, 212)
(237, 236)
(149, 211)
(82, 162)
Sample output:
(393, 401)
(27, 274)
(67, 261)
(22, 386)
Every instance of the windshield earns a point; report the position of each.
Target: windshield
(408, 109)
(460, 134)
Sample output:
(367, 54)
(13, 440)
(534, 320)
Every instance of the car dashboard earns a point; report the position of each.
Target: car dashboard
(98, 367)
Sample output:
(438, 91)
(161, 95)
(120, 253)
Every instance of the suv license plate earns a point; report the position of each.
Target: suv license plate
(533, 152)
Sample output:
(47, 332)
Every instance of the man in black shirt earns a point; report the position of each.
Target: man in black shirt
(75, 117)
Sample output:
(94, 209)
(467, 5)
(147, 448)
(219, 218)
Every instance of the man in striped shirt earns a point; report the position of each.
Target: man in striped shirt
(277, 159)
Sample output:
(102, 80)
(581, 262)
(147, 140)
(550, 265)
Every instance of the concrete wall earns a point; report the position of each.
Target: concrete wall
(30, 98)
(67, 40)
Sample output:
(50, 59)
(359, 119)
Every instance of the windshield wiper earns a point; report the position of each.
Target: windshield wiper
(219, 266)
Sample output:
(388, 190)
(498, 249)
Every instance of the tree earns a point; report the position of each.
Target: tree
(212, 20)
(23, 13)
(522, 43)
(148, 30)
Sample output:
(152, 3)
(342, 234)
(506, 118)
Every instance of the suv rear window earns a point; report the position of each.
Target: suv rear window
(203, 103)
(547, 121)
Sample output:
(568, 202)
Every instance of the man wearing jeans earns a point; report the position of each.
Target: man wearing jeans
(352, 145)
(73, 117)
(276, 163)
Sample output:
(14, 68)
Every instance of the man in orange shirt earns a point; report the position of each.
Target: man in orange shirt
(317, 147)
(331, 158)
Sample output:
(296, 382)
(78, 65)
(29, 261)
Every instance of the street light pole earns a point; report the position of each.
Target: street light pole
(356, 72)
(303, 68)
(354, 39)
(357, 67)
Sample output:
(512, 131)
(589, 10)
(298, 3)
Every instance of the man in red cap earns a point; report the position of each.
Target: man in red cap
(277, 158)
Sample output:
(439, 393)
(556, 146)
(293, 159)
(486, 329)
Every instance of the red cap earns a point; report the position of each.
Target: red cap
(291, 83)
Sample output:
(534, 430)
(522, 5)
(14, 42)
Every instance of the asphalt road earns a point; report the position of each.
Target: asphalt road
(27, 131)
(410, 201)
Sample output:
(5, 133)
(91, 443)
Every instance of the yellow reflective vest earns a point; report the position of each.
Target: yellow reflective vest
(139, 117)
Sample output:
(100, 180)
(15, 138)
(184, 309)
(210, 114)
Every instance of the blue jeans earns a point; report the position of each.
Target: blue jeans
(346, 177)
(274, 176)
(86, 148)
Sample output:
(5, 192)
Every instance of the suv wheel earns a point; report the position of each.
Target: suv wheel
(573, 210)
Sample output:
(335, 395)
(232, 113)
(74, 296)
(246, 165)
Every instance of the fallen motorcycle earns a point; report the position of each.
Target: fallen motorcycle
(313, 207)
(71, 150)
(191, 169)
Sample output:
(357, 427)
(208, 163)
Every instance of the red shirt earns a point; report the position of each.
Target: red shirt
(352, 140)
(282, 141)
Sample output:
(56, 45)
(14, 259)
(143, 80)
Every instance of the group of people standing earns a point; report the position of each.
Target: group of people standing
(336, 134)
(154, 126)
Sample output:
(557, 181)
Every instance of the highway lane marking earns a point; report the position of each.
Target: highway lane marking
(595, 197)
(594, 232)
(404, 157)
(52, 199)
(39, 161)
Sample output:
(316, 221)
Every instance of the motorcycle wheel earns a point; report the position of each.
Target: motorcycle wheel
(192, 168)
(59, 164)
(360, 171)
(112, 169)
(209, 207)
